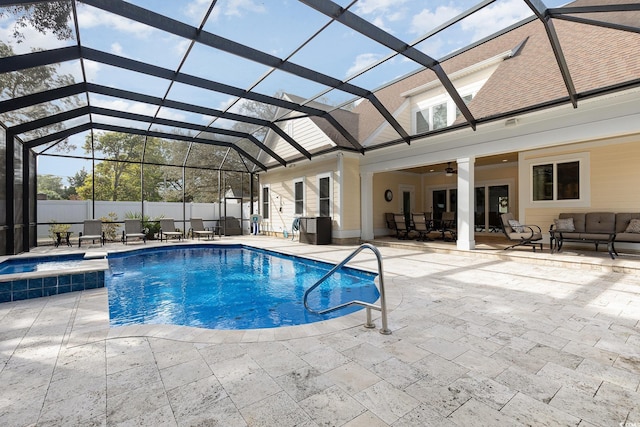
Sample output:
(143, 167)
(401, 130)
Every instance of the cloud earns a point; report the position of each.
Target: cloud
(237, 7)
(494, 18)
(368, 7)
(381, 12)
(427, 20)
(195, 9)
(133, 107)
(91, 18)
(116, 48)
(362, 61)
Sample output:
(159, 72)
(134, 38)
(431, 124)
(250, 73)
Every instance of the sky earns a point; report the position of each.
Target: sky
(282, 28)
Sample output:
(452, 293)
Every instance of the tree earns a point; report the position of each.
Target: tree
(34, 80)
(51, 185)
(75, 181)
(44, 16)
(118, 176)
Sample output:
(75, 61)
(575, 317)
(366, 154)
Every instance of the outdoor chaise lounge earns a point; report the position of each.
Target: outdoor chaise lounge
(133, 230)
(523, 235)
(198, 229)
(91, 230)
(448, 225)
(168, 229)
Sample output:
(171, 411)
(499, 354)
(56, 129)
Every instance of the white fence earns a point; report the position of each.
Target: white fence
(76, 211)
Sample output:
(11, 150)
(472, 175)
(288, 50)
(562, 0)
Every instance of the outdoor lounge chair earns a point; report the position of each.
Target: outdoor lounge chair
(402, 229)
(523, 235)
(422, 225)
(168, 229)
(198, 229)
(448, 225)
(390, 221)
(133, 230)
(91, 230)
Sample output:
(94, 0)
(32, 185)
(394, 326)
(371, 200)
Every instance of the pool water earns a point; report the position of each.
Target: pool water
(31, 264)
(226, 287)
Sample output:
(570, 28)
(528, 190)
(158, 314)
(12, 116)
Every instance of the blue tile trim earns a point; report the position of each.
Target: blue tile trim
(22, 289)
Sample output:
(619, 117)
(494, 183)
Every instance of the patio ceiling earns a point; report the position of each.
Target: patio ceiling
(213, 73)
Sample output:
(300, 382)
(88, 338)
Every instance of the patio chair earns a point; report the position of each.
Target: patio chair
(198, 229)
(133, 230)
(168, 229)
(422, 225)
(91, 230)
(448, 225)
(522, 234)
(391, 222)
(402, 230)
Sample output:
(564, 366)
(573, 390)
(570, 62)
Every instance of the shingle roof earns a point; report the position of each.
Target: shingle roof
(597, 58)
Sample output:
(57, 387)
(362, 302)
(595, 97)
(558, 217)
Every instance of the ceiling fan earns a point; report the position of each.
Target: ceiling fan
(449, 171)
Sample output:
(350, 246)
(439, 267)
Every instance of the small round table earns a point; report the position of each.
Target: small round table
(63, 236)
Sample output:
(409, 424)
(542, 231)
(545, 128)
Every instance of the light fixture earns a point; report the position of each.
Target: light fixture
(449, 171)
(511, 122)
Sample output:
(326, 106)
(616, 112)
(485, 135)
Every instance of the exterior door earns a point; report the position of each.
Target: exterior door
(406, 205)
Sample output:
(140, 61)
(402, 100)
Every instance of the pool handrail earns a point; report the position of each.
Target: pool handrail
(382, 308)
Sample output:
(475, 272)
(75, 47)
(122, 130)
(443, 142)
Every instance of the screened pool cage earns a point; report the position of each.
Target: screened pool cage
(149, 190)
(173, 109)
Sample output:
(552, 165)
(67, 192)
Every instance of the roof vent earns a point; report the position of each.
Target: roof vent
(511, 122)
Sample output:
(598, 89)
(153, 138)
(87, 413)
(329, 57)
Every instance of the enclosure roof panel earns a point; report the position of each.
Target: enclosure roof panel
(232, 74)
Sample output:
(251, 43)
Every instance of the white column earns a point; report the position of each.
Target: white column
(366, 205)
(465, 221)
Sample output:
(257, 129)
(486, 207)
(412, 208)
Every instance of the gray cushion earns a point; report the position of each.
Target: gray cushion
(516, 226)
(578, 220)
(623, 219)
(564, 224)
(628, 237)
(633, 227)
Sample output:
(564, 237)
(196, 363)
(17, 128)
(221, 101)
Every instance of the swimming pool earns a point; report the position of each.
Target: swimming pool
(226, 287)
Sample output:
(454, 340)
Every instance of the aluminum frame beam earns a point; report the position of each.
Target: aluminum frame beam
(378, 35)
(181, 29)
(541, 11)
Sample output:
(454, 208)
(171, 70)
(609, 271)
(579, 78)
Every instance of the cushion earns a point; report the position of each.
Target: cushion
(633, 227)
(565, 225)
(516, 226)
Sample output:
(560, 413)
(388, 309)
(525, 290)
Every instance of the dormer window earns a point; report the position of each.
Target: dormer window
(438, 115)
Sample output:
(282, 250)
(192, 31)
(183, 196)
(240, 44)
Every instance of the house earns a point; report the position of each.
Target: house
(544, 141)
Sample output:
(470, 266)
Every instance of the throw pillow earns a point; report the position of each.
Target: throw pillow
(516, 226)
(565, 225)
(633, 227)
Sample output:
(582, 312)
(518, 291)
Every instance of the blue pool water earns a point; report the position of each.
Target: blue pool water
(226, 287)
(49, 263)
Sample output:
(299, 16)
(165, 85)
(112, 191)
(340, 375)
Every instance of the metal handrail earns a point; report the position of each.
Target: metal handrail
(382, 308)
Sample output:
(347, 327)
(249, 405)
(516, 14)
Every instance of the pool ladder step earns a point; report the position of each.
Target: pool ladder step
(382, 308)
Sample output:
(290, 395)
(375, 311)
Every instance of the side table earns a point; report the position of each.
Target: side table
(63, 237)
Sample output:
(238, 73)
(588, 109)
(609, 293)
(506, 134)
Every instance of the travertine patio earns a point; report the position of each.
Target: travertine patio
(484, 339)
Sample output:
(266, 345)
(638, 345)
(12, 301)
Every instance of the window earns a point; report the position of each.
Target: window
(556, 181)
(298, 188)
(324, 196)
(265, 202)
(434, 117)
(438, 115)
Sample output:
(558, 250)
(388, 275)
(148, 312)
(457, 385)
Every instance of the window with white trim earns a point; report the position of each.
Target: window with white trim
(324, 195)
(442, 112)
(265, 202)
(556, 181)
(298, 196)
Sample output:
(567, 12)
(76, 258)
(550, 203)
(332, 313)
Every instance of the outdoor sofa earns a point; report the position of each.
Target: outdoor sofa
(595, 227)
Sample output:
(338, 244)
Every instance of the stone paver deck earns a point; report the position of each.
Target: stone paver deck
(483, 339)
